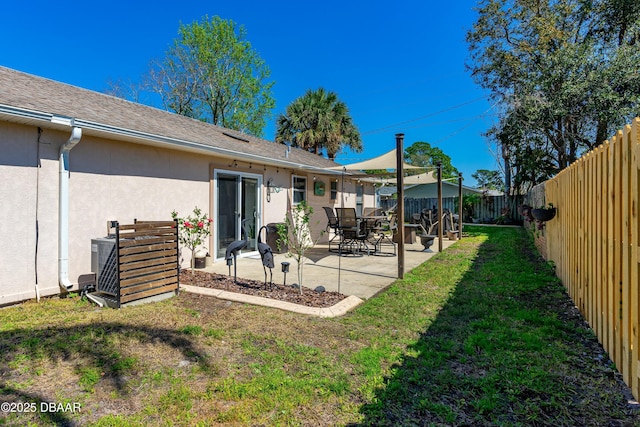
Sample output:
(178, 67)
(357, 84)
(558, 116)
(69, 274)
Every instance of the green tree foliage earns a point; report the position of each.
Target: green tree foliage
(488, 179)
(295, 234)
(318, 120)
(564, 73)
(212, 73)
(424, 155)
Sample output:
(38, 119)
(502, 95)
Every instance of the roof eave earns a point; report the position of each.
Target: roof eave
(48, 120)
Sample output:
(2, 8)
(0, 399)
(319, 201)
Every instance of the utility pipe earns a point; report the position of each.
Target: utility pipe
(63, 208)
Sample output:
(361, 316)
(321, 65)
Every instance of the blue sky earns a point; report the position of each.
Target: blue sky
(398, 67)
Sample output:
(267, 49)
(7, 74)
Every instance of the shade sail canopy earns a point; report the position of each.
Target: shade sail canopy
(385, 161)
(423, 178)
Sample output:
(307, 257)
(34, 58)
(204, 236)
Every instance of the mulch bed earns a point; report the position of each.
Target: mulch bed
(308, 297)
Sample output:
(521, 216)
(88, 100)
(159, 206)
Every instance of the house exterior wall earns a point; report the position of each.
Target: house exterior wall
(23, 218)
(282, 201)
(112, 180)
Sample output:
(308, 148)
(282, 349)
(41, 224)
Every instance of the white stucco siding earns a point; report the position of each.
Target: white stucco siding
(29, 212)
(318, 221)
(274, 210)
(109, 180)
(18, 183)
(112, 180)
(123, 182)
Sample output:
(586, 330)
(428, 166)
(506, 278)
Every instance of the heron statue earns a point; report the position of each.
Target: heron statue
(267, 256)
(233, 248)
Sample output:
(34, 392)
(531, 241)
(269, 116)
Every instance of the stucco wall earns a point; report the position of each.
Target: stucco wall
(19, 179)
(274, 211)
(118, 181)
(111, 180)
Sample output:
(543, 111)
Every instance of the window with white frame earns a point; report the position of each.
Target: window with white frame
(334, 190)
(299, 186)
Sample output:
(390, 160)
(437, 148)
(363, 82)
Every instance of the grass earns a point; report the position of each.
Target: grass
(482, 334)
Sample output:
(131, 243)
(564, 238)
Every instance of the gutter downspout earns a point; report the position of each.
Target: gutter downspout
(63, 209)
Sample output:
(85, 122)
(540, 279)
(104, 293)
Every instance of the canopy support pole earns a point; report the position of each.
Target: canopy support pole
(400, 212)
(440, 211)
(459, 205)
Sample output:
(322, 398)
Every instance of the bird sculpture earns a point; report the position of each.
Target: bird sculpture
(233, 248)
(267, 257)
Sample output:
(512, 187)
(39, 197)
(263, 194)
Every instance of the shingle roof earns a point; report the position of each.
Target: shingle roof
(26, 91)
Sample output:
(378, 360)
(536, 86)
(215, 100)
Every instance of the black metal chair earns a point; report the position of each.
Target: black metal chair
(385, 236)
(332, 224)
(353, 232)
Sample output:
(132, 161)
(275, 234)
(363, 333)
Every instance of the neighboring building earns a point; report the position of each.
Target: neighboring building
(427, 191)
(123, 161)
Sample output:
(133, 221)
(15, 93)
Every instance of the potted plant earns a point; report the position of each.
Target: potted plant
(544, 213)
(468, 202)
(192, 233)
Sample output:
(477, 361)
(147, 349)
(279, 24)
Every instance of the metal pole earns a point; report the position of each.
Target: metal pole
(440, 211)
(459, 205)
(341, 222)
(400, 212)
(118, 261)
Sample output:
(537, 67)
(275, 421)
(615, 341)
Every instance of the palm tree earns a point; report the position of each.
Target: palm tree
(318, 120)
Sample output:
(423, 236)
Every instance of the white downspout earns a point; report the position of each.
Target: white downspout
(63, 209)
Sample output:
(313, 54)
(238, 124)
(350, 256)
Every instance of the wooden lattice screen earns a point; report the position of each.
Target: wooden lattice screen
(147, 259)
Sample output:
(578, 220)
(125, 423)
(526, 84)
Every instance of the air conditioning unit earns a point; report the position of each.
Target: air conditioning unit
(104, 264)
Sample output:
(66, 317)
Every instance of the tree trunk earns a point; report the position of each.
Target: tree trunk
(601, 133)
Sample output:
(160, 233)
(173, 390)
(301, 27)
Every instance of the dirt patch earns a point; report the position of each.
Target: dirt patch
(308, 297)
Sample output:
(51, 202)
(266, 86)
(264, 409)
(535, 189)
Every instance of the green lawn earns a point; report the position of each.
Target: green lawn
(482, 334)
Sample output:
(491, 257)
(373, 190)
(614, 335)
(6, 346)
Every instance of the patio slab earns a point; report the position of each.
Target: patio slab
(360, 276)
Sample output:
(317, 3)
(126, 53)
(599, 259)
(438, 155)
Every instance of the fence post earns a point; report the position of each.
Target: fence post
(117, 244)
(175, 222)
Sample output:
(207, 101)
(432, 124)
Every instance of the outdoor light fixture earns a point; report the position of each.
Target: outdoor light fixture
(285, 270)
(271, 189)
(229, 264)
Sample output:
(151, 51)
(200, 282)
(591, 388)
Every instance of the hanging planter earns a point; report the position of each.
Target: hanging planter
(544, 214)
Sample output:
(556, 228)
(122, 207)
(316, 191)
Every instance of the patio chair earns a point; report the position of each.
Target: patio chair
(385, 236)
(332, 224)
(353, 232)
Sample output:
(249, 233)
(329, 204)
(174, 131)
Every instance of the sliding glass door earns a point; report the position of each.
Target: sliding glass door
(237, 197)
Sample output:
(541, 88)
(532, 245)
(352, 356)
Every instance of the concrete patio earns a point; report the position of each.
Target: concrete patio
(362, 276)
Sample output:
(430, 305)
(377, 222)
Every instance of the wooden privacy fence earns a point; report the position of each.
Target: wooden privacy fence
(142, 261)
(487, 209)
(593, 242)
